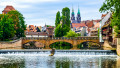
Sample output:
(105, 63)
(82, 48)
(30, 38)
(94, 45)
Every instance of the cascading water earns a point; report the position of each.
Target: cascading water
(61, 59)
(85, 52)
(60, 52)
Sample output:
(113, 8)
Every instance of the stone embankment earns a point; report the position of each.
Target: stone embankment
(118, 47)
(15, 44)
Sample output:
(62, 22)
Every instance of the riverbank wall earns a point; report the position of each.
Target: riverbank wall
(118, 46)
(15, 44)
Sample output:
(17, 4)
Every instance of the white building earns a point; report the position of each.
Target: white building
(102, 22)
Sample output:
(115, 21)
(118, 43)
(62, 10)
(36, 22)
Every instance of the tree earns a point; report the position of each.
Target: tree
(61, 30)
(65, 20)
(19, 23)
(57, 21)
(6, 28)
(114, 7)
(66, 16)
(58, 31)
(72, 34)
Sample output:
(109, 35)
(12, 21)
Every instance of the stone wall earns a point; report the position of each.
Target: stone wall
(16, 44)
(118, 46)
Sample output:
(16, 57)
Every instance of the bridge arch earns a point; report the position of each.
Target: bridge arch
(48, 41)
(89, 45)
(61, 45)
(54, 41)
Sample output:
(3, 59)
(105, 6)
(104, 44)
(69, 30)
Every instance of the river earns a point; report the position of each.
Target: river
(61, 59)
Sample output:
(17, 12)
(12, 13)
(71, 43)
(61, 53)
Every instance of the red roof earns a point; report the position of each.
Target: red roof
(8, 8)
(31, 26)
(90, 24)
(50, 27)
(96, 20)
(77, 25)
(103, 15)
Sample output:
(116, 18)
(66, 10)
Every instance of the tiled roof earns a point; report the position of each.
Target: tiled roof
(77, 25)
(31, 26)
(97, 25)
(97, 20)
(50, 27)
(103, 15)
(90, 24)
(8, 8)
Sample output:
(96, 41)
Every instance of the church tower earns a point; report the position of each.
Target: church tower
(78, 16)
(72, 15)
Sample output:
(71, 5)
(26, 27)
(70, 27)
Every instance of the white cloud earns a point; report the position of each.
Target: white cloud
(37, 1)
(94, 2)
(40, 22)
(39, 12)
(15, 4)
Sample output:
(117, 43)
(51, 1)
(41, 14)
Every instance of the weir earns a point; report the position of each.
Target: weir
(60, 52)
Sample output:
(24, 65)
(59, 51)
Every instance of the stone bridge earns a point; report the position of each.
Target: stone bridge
(72, 40)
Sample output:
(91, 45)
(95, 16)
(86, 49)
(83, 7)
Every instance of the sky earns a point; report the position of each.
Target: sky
(39, 12)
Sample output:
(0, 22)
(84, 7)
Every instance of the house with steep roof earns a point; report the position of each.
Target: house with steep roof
(7, 9)
(79, 28)
(105, 18)
(94, 30)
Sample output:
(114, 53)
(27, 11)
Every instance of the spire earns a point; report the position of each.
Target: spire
(78, 10)
(72, 10)
(45, 24)
(78, 15)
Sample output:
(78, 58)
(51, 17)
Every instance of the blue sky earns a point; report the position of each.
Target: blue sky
(39, 12)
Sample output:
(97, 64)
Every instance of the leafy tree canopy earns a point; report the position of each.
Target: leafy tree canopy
(19, 23)
(114, 7)
(57, 21)
(72, 34)
(58, 31)
(62, 29)
(6, 28)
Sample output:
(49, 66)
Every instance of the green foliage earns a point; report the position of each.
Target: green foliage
(61, 45)
(66, 16)
(58, 31)
(47, 25)
(65, 29)
(114, 7)
(11, 25)
(72, 34)
(61, 30)
(6, 28)
(19, 23)
(57, 21)
(98, 32)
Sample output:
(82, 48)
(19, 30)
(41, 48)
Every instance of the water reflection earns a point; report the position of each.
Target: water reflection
(25, 61)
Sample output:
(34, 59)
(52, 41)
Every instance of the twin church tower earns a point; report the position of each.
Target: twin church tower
(73, 16)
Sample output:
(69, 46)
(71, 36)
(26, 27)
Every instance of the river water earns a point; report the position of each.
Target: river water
(61, 59)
